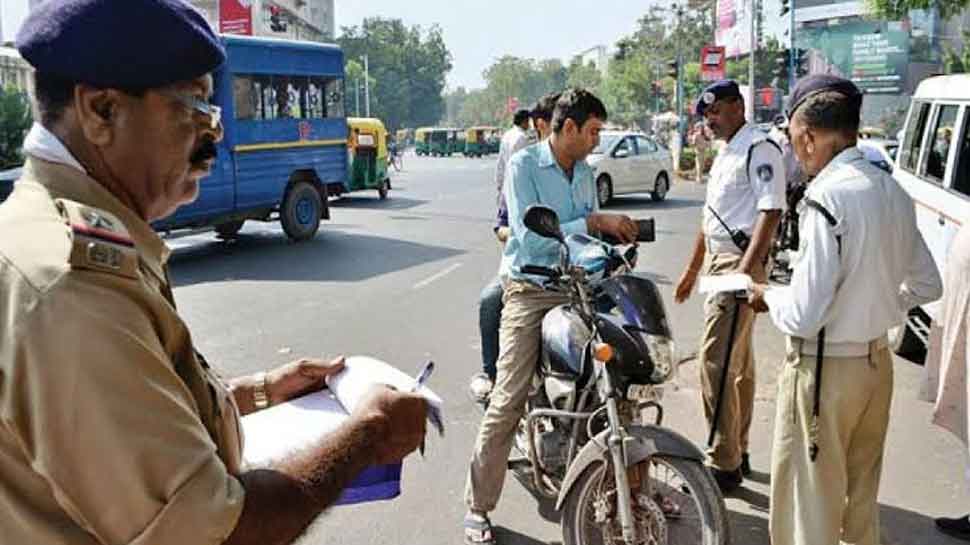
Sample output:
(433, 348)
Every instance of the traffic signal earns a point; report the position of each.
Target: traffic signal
(673, 69)
(781, 66)
(276, 23)
(801, 62)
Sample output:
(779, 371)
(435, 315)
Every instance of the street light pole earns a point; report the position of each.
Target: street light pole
(750, 109)
(357, 95)
(366, 87)
(792, 52)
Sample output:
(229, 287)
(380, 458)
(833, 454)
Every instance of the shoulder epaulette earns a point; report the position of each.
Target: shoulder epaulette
(100, 240)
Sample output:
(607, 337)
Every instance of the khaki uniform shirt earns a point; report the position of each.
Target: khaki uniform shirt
(112, 428)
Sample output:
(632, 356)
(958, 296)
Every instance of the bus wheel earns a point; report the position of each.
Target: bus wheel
(301, 212)
(229, 229)
(383, 188)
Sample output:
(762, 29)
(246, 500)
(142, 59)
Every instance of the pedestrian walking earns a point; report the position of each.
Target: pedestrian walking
(745, 199)
(863, 264)
(115, 428)
(948, 361)
(700, 139)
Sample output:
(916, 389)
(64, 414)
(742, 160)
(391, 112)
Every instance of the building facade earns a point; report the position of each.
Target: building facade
(310, 20)
(14, 70)
(886, 59)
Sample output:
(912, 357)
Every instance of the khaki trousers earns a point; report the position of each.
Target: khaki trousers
(519, 343)
(832, 500)
(735, 420)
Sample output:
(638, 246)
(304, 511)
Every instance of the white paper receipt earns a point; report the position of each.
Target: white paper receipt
(724, 282)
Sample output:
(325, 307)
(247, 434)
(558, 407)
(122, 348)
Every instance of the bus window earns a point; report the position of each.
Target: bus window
(246, 97)
(335, 98)
(940, 140)
(913, 139)
(270, 106)
(314, 98)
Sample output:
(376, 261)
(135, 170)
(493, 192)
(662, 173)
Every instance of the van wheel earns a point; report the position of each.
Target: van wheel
(660, 187)
(301, 212)
(229, 229)
(604, 189)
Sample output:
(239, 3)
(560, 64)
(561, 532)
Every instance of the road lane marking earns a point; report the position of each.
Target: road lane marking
(435, 277)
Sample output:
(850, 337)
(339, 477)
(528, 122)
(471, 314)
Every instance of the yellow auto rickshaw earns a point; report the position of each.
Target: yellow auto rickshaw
(367, 142)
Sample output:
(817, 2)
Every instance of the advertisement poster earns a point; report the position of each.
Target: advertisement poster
(236, 17)
(873, 54)
(712, 63)
(733, 31)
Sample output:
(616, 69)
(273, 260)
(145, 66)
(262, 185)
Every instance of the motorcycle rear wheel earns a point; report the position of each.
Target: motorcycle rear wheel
(686, 507)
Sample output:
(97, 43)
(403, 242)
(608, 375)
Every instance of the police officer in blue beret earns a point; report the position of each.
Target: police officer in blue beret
(862, 264)
(115, 430)
(745, 200)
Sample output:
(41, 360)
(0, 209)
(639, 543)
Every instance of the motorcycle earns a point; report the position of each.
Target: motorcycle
(584, 437)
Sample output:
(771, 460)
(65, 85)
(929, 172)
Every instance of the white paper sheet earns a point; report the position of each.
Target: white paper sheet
(725, 283)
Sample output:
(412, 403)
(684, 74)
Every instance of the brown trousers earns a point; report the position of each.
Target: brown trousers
(833, 499)
(735, 420)
(519, 341)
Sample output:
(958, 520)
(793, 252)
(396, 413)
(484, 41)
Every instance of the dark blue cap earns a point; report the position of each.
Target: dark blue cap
(127, 44)
(726, 88)
(814, 84)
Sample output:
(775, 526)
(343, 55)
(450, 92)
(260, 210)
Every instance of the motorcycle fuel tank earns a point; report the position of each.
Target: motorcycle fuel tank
(564, 341)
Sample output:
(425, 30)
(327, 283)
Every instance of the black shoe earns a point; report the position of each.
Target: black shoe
(956, 527)
(727, 481)
(745, 465)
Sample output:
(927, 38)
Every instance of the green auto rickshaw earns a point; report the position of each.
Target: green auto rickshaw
(367, 142)
(475, 144)
(422, 141)
(439, 142)
(457, 139)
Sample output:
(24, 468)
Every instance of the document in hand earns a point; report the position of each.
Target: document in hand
(725, 283)
(289, 427)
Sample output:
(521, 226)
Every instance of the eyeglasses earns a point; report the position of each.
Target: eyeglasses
(198, 105)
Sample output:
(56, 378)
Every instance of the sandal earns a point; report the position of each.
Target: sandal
(478, 530)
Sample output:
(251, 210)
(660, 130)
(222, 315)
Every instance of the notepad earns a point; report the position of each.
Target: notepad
(279, 431)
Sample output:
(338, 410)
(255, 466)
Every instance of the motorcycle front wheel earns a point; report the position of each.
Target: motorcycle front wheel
(681, 506)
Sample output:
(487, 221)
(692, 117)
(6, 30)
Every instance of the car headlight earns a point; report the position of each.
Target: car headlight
(662, 353)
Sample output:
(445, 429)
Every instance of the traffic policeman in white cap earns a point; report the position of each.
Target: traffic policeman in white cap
(115, 430)
(862, 264)
(745, 200)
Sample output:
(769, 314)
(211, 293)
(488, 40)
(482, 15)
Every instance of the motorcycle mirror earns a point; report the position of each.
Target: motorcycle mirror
(543, 221)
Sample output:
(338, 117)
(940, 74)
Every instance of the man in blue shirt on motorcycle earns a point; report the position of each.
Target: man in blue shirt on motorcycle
(553, 173)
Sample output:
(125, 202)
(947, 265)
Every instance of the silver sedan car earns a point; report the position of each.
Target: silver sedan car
(630, 162)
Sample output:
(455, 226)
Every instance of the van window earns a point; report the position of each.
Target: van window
(264, 97)
(913, 139)
(940, 140)
(961, 182)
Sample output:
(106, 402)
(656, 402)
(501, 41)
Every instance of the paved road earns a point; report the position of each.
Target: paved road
(399, 280)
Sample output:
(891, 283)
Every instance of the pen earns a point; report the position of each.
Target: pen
(418, 383)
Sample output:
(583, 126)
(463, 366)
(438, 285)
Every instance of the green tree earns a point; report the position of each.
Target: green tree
(408, 64)
(955, 62)
(895, 10)
(15, 119)
(354, 88)
(587, 76)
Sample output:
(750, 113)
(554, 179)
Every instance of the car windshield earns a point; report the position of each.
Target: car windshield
(606, 142)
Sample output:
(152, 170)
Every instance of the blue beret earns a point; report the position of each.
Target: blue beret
(726, 88)
(127, 44)
(819, 83)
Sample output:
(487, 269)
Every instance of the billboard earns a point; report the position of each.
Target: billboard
(712, 63)
(873, 54)
(236, 17)
(733, 31)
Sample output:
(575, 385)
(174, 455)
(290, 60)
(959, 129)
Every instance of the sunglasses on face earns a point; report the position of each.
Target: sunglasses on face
(197, 105)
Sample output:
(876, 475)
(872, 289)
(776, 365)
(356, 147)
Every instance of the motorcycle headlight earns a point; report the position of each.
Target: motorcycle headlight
(662, 353)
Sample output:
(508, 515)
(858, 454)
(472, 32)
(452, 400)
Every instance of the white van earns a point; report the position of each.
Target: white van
(933, 166)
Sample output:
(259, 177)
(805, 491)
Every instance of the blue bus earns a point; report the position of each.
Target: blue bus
(285, 139)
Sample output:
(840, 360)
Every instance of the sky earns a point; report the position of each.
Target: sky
(479, 32)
